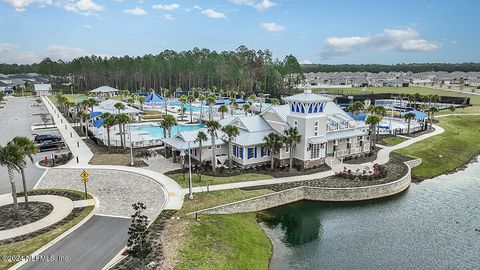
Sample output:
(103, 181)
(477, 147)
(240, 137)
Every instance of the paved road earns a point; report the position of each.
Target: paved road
(16, 120)
(89, 247)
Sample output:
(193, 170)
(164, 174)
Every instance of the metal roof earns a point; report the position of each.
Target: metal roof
(317, 140)
(341, 134)
(307, 97)
(104, 89)
(251, 138)
(42, 87)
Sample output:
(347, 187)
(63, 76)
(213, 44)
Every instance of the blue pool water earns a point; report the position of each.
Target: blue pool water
(154, 132)
(187, 107)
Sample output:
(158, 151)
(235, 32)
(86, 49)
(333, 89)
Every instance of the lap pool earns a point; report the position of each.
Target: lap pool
(155, 132)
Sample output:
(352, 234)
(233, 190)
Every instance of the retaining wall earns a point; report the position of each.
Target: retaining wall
(315, 194)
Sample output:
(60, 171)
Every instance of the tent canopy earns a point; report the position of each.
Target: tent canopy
(154, 98)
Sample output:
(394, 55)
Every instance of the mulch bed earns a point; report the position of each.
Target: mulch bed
(34, 212)
(395, 170)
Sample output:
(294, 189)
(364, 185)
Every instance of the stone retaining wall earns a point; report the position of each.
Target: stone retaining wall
(315, 194)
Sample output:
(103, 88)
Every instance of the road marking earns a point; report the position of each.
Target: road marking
(105, 215)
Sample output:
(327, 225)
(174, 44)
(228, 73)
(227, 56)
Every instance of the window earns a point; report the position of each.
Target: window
(264, 151)
(287, 149)
(234, 151)
(240, 152)
(315, 128)
(218, 146)
(295, 123)
(315, 151)
(255, 152)
(195, 152)
(250, 153)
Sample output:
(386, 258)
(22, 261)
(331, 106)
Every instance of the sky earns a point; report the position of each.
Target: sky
(323, 31)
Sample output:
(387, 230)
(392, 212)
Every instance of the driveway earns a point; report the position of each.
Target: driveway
(16, 119)
(89, 247)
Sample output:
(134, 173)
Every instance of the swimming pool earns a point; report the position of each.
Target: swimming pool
(195, 108)
(155, 132)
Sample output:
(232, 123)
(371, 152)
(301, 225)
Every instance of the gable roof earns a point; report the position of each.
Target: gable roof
(104, 89)
(42, 87)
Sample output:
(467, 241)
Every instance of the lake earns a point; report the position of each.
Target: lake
(432, 225)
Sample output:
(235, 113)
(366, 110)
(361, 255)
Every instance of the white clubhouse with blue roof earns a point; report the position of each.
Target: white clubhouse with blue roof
(325, 129)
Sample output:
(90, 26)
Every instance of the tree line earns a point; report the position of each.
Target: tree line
(375, 68)
(240, 70)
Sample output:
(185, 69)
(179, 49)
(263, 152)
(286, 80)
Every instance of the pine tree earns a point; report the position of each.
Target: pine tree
(138, 243)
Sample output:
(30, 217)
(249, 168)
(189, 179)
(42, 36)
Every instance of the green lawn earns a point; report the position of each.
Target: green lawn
(222, 241)
(450, 150)
(110, 159)
(215, 180)
(28, 246)
(226, 242)
(390, 141)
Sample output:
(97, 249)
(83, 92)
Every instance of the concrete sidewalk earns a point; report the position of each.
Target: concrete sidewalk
(77, 146)
(62, 207)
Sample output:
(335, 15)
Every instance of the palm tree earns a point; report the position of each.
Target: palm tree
(432, 111)
(84, 116)
(232, 105)
(380, 111)
(119, 106)
(372, 121)
(167, 123)
(261, 96)
(211, 100)
(201, 137)
(183, 100)
(275, 101)
(108, 122)
(125, 93)
(222, 110)
(191, 99)
(273, 142)
(28, 148)
(246, 107)
(232, 132)
(357, 106)
(122, 120)
(291, 138)
(141, 100)
(202, 99)
(10, 156)
(212, 127)
(91, 102)
(252, 98)
(409, 117)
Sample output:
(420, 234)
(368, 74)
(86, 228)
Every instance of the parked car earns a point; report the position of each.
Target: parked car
(47, 137)
(50, 145)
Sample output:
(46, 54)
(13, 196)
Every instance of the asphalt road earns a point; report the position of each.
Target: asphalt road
(16, 120)
(89, 247)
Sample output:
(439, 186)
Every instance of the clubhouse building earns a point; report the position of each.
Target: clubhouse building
(325, 129)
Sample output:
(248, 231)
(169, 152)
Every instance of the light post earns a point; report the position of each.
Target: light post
(190, 196)
(182, 156)
(131, 147)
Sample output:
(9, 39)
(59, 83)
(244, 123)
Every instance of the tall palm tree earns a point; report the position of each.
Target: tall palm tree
(122, 120)
(167, 123)
(202, 99)
(409, 117)
(183, 101)
(84, 116)
(232, 105)
(28, 148)
(92, 102)
(222, 110)
(191, 99)
(291, 138)
(372, 121)
(261, 96)
(119, 106)
(273, 142)
(246, 107)
(212, 127)
(201, 137)
(211, 100)
(275, 101)
(10, 156)
(432, 112)
(357, 106)
(141, 100)
(108, 122)
(232, 132)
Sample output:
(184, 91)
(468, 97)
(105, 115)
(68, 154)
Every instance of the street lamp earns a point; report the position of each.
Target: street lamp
(131, 147)
(182, 156)
(190, 195)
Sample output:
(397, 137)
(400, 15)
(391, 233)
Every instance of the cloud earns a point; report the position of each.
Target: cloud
(167, 7)
(65, 53)
(84, 7)
(403, 39)
(193, 8)
(87, 26)
(265, 4)
(262, 5)
(168, 17)
(21, 5)
(213, 14)
(306, 62)
(6, 47)
(137, 11)
(272, 27)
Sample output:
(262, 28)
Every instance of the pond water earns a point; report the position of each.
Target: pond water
(432, 225)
